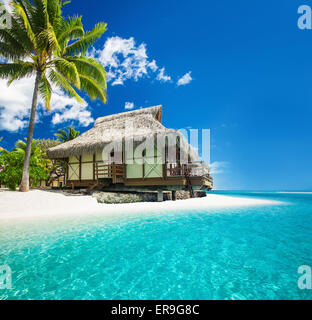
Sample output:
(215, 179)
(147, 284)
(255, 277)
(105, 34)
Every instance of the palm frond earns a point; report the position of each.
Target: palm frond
(20, 12)
(62, 82)
(47, 40)
(68, 70)
(45, 91)
(94, 89)
(82, 45)
(65, 2)
(55, 13)
(11, 48)
(16, 70)
(24, 4)
(66, 135)
(71, 29)
(45, 11)
(72, 133)
(37, 17)
(19, 33)
(90, 67)
(20, 144)
(61, 135)
(27, 69)
(11, 53)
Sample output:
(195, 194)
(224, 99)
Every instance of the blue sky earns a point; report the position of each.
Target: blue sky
(251, 71)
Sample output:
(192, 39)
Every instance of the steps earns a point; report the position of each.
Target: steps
(92, 186)
(189, 183)
(98, 184)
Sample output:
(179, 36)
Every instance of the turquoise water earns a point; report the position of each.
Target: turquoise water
(240, 253)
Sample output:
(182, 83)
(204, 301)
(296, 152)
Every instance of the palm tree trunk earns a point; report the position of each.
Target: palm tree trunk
(24, 186)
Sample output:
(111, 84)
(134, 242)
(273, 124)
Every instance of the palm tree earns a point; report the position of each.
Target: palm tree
(68, 135)
(21, 147)
(41, 42)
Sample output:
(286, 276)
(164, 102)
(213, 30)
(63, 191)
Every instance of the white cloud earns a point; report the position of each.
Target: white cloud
(123, 60)
(76, 112)
(218, 167)
(129, 105)
(68, 109)
(15, 103)
(162, 76)
(186, 79)
(153, 66)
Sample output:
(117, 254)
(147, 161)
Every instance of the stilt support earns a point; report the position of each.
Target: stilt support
(160, 196)
(174, 195)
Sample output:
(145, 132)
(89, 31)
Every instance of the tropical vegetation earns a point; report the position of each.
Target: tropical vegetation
(43, 44)
(11, 164)
(66, 135)
(40, 168)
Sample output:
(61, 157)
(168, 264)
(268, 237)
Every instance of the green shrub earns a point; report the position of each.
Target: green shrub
(11, 166)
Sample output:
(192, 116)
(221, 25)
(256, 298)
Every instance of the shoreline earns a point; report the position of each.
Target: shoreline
(15, 205)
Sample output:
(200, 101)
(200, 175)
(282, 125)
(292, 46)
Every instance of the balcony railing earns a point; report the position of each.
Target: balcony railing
(110, 171)
(195, 169)
(114, 171)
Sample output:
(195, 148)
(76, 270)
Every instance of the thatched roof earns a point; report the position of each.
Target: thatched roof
(140, 123)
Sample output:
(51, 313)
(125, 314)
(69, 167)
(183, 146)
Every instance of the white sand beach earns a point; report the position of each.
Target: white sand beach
(42, 204)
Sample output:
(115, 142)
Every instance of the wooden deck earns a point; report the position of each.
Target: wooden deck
(175, 176)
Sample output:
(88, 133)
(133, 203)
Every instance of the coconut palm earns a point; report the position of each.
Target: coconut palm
(52, 48)
(68, 135)
(21, 147)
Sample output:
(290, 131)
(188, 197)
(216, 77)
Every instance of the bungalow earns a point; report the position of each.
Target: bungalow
(132, 151)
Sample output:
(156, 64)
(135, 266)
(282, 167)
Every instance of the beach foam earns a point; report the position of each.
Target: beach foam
(41, 204)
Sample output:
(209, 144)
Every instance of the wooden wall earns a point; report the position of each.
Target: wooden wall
(83, 168)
